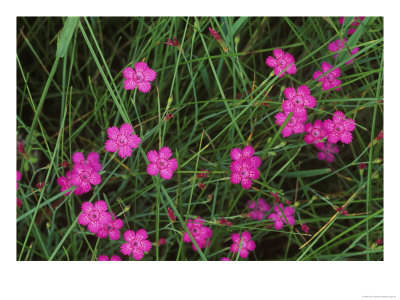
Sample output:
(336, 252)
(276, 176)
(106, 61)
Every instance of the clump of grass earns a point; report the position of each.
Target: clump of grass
(207, 99)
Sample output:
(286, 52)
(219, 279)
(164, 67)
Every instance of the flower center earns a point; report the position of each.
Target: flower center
(138, 77)
(122, 139)
(94, 215)
(244, 173)
(339, 128)
(299, 100)
(316, 132)
(135, 244)
(84, 175)
(330, 77)
(162, 164)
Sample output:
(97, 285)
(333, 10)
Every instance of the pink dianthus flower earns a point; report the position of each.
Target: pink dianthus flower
(305, 228)
(105, 258)
(137, 244)
(298, 101)
(225, 259)
(18, 177)
(94, 216)
(122, 140)
(160, 163)
(140, 77)
(244, 167)
(327, 151)
(244, 242)
(315, 132)
(92, 158)
(338, 45)
(200, 233)
(84, 173)
(214, 34)
(84, 176)
(258, 208)
(339, 128)
(279, 219)
(294, 126)
(281, 61)
(329, 80)
(112, 229)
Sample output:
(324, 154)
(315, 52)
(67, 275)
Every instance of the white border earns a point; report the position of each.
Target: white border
(195, 280)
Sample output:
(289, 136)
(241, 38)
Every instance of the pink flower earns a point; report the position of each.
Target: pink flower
(171, 215)
(172, 43)
(19, 203)
(65, 182)
(281, 62)
(379, 242)
(338, 45)
(225, 259)
(244, 166)
(168, 117)
(327, 151)
(380, 136)
(298, 101)
(214, 34)
(244, 242)
(305, 228)
(40, 185)
(94, 216)
(279, 218)
(329, 81)
(357, 21)
(18, 177)
(258, 208)
(20, 147)
(161, 242)
(105, 258)
(84, 176)
(111, 228)
(341, 20)
(351, 31)
(122, 140)
(92, 158)
(140, 77)
(362, 166)
(276, 197)
(315, 132)
(223, 221)
(137, 244)
(294, 126)
(342, 210)
(160, 163)
(339, 128)
(200, 233)
(202, 175)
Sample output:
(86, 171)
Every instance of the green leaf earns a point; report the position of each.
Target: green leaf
(33, 159)
(66, 36)
(309, 173)
(238, 24)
